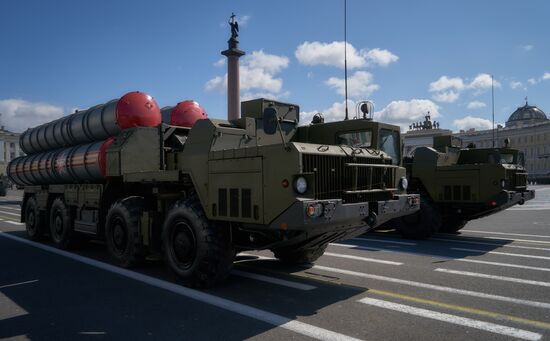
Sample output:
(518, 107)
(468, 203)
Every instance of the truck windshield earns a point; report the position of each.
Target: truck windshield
(356, 138)
(506, 158)
(389, 143)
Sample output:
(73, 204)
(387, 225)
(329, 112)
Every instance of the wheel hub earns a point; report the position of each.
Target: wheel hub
(119, 237)
(184, 245)
(31, 221)
(58, 224)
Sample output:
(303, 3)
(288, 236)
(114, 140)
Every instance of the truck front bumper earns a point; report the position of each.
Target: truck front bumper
(504, 200)
(343, 221)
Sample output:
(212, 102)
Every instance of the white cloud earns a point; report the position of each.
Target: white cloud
(220, 62)
(445, 83)
(517, 85)
(268, 62)
(469, 122)
(527, 48)
(269, 95)
(380, 57)
(446, 97)
(336, 112)
(546, 76)
(332, 54)
(482, 82)
(476, 105)
(257, 72)
(19, 114)
(403, 113)
(243, 20)
(532, 81)
(448, 89)
(360, 84)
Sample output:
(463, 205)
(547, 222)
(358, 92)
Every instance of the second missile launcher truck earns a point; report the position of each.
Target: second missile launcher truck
(197, 190)
(455, 184)
(460, 184)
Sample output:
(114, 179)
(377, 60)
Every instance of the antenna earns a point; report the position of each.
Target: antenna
(346, 54)
(493, 105)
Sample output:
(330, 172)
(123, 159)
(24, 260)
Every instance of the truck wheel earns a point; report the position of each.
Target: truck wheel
(122, 227)
(196, 249)
(61, 227)
(452, 226)
(34, 223)
(299, 256)
(422, 224)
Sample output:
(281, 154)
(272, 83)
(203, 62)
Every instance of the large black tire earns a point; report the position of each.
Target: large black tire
(299, 256)
(34, 221)
(420, 225)
(122, 232)
(199, 251)
(61, 226)
(452, 225)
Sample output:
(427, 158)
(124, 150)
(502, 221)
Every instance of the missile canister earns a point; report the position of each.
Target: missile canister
(184, 114)
(78, 164)
(134, 109)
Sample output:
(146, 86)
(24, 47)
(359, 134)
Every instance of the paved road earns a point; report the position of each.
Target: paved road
(491, 282)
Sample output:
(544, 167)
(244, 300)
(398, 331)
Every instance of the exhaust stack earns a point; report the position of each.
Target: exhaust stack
(233, 54)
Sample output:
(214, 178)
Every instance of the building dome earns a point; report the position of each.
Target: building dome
(526, 114)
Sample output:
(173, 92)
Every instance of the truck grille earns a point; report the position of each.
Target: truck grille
(342, 177)
(516, 180)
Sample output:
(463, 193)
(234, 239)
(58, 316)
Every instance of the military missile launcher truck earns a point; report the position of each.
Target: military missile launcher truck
(460, 184)
(199, 193)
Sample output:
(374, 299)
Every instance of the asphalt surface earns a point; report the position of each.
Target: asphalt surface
(490, 282)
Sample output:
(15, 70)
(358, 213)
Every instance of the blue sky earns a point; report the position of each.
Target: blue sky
(408, 57)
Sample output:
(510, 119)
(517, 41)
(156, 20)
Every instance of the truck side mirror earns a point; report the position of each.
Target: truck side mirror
(270, 120)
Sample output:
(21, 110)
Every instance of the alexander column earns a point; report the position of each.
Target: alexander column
(233, 54)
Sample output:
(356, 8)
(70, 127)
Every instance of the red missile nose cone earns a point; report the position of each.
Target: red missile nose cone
(186, 113)
(137, 109)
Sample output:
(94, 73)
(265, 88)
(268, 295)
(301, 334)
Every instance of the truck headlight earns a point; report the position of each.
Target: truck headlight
(502, 183)
(300, 185)
(403, 183)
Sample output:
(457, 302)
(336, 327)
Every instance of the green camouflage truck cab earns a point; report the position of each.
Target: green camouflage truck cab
(460, 184)
(197, 195)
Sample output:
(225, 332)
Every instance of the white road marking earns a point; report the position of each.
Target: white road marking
(508, 234)
(384, 241)
(92, 333)
(10, 208)
(461, 321)
(273, 280)
(16, 284)
(520, 240)
(9, 213)
(364, 259)
(500, 278)
(436, 287)
(500, 253)
(239, 308)
(502, 264)
(491, 244)
(356, 247)
(530, 208)
(14, 222)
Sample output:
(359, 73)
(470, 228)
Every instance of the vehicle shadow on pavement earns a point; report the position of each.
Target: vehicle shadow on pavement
(70, 300)
(446, 246)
